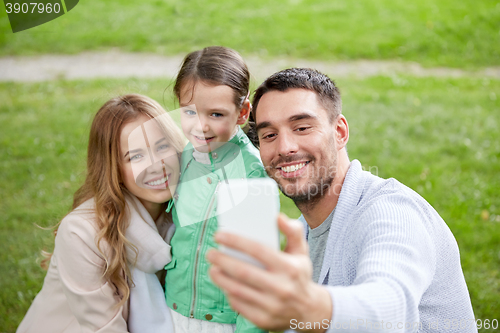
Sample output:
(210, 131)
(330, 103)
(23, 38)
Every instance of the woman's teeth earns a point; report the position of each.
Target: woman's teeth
(292, 168)
(158, 182)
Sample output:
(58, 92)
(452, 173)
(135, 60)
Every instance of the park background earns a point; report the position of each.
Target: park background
(438, 132)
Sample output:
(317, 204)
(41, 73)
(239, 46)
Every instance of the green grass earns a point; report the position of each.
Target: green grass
(441, 138)
(433, 32)
(438, 136)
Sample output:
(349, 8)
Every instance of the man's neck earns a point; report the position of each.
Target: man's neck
(316, 213)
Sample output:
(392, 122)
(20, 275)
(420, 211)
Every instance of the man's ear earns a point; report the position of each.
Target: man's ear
(244, 112)
(341, 131)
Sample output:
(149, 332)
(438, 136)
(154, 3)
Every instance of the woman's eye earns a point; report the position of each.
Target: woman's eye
(136, 157)
(217, 115)
(190, 112)
(163, 147)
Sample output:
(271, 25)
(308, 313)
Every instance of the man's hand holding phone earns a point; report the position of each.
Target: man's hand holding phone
(280, 288)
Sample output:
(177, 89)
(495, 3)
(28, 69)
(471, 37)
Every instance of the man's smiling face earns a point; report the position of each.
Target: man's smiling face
(297, 143)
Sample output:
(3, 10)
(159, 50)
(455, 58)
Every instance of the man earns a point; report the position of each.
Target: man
(382, 258)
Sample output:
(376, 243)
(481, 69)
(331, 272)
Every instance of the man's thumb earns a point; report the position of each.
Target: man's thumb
(294, 233)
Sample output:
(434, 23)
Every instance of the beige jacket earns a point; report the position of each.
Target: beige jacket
(74, 297)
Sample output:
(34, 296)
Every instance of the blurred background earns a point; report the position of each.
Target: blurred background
(420, 84)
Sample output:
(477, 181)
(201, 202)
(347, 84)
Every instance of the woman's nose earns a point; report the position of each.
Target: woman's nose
(156, 167)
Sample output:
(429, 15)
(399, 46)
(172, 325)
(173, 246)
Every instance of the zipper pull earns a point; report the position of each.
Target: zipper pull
(170, 204)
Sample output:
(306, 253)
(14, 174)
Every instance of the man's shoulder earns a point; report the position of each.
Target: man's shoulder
(367, 187)
(377, 197)
(379, 190)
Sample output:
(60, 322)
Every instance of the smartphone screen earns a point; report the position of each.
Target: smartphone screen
(249, 208)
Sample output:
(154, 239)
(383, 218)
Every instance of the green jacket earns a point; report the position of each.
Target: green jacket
(189, 289)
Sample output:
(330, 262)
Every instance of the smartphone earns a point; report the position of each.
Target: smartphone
(249, 208)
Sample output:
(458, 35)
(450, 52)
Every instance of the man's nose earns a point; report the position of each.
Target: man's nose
(287, 144)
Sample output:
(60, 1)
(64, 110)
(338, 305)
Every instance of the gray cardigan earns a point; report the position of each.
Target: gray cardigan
(391, 262)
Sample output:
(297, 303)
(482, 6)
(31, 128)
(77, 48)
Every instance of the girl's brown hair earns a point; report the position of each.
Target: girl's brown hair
(104, 184)
(215, 65)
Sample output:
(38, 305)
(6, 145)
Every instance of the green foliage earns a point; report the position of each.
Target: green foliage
(433, 32)
(437, 136)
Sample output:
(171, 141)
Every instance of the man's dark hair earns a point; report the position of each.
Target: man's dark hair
(298, 78)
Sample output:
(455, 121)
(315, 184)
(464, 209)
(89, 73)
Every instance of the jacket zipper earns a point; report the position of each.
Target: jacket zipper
(205, 222)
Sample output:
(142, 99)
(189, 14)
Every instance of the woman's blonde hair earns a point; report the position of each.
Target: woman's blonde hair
(104, 183)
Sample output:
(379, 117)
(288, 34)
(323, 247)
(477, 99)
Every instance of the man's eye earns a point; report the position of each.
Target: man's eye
(301, 129)
(268, 136)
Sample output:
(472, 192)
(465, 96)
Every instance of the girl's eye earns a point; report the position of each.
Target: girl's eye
(190, 112)
(217, 115)
(136, 157)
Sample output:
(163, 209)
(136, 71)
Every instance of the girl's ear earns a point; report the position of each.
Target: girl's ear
(244, 112)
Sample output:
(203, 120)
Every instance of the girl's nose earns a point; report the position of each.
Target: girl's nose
(202, 125)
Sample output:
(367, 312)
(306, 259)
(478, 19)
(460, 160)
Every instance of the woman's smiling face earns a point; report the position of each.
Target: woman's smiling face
(150, 166)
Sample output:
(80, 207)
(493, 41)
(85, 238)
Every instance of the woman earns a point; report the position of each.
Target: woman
(118, 223)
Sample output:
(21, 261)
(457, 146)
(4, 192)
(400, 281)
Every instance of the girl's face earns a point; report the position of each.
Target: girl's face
(209, 116)
(150, 166)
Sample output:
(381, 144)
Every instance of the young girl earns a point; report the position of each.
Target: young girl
(118, 223)
(212, 88)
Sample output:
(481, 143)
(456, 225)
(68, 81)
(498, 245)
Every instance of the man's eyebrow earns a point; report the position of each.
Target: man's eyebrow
(300, 116)
(262, 125)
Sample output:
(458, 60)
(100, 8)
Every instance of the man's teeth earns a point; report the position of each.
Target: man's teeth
(292, 168)
(158, 182)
